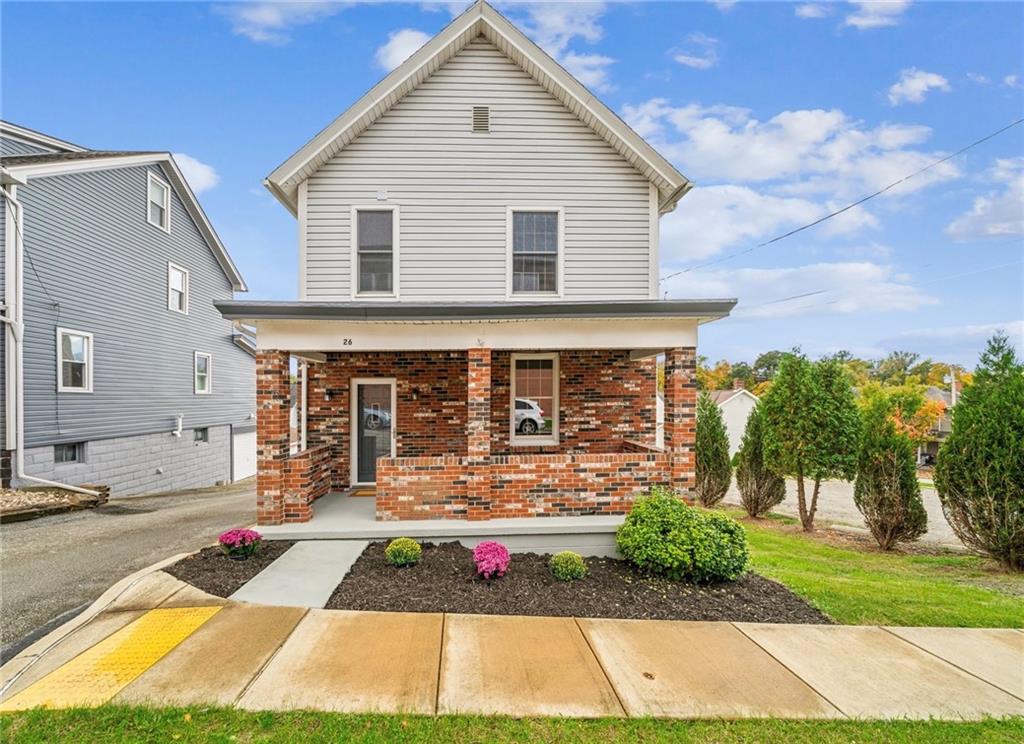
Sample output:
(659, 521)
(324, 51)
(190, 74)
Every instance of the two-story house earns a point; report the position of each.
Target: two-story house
(117, 369)
(478, 318)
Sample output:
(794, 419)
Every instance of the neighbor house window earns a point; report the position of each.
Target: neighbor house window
(534, 399)
(177, 289)
(203, 373)
(375, 250)
(535, 237)
(158, 198)
(68, 453)
(74, 361)
(200, 435)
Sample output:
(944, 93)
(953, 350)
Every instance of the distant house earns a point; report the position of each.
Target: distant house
(929, 449)
(736, 405)
(117, 369)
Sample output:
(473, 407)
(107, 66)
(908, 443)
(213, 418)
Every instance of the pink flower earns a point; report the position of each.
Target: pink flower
(240, 543)
(491, 558)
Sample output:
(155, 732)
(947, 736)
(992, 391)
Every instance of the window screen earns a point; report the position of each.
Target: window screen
(376, 244)
(534, 251)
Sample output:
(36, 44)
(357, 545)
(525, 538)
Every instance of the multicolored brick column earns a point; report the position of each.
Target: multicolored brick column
(478, 434)
(273, 393)
(681, 417)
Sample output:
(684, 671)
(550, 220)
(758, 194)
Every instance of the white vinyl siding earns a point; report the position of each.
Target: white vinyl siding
(455, 187)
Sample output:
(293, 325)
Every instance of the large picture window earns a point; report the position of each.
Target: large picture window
(74, 361)
(535, 236)
(534, 399)
(375, 239)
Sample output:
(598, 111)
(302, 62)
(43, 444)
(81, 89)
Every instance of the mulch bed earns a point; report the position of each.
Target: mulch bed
(445, 581)
(215, 573)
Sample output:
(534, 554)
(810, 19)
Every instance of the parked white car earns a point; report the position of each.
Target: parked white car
(529, 416)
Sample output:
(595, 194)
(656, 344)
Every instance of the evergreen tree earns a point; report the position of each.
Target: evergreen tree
(760, 488)
(714, 470)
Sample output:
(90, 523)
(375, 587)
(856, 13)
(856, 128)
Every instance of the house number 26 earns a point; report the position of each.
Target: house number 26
(346, 342)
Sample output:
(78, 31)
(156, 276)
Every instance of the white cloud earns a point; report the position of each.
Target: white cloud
(589, 69)
(998, 214)
(724, 5)
(914, 85)
(555, 25)
(700, 52)
(200, 176)
(399, 47)
(828, 288)
(1012, 81)
(270, 22)
(977, 77)
(876, 13)
(812, 10)
(966, 341)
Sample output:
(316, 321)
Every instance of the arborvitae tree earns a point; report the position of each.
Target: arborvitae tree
(980, 469)
(886, 491)
(812, 427)
(760, 488)
(714, 470)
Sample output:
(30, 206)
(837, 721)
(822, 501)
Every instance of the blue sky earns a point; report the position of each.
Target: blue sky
(779, 112)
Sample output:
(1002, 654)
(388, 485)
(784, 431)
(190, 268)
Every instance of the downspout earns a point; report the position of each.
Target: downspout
(14, 254)
(304, 366)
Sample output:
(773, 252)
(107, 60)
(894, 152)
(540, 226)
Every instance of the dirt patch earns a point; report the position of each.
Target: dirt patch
(444, 581)
(30, 503)
(215, 573)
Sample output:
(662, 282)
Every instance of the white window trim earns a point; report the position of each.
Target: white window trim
(559, 261)
(354, 384)
(195, 373)
(354, 257)
(188, 283)
(515, 438)
(88, 361)
(151, 177)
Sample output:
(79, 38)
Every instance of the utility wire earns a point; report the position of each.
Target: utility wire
(847, 208)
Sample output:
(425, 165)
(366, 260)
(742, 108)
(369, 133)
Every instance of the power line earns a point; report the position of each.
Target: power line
(847, 208)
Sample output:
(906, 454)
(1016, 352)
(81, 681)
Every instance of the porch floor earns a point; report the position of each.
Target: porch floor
(338, 516)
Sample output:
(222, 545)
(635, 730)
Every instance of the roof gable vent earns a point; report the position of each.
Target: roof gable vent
(481, 118)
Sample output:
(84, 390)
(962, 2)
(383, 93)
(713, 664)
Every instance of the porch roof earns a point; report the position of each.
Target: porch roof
(405, 312)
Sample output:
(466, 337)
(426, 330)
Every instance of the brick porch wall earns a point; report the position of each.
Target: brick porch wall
(307, 477)
(421, 488)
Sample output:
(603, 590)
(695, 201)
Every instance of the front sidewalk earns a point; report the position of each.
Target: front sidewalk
(162, 642)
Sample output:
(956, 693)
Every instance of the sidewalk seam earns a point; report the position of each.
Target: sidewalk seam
(440, 663)
(615, 692)
(947, 661)
(265, 664)
(779, 661)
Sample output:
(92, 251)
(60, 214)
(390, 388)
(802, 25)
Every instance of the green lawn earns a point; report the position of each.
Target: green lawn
(121, 724)
(865, 587)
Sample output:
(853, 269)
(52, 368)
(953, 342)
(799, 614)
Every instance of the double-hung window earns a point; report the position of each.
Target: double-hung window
(158, 203)
(376, 250)
(177, 289)
(74, 361)
(534, 399)
(535, 237)
(203, 373)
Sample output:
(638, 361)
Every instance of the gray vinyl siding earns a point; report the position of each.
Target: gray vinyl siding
(94, 264)
(11, 146)
(454, 186)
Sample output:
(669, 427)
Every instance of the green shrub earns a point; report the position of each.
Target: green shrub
(665, 537)
(980, 470)
(760, 488)
(403, 551)
(713, 469)
(886, 491)
(567, 566)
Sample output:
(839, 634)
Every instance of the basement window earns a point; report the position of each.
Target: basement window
(201, 436)
(69, 453)
(481, 119)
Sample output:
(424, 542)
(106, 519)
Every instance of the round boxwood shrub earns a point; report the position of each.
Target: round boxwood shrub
(665, 537)
(403, 551)
(567, 566)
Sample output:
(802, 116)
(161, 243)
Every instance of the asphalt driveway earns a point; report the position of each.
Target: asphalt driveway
(51, 565)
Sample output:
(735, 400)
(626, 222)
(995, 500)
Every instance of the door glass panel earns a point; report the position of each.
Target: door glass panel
(373, 428)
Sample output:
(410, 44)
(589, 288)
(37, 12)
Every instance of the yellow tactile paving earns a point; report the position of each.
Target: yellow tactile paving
(95, 676)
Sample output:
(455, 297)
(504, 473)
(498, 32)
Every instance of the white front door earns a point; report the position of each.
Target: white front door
(373, 426)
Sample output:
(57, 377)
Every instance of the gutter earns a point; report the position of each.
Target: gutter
(13, 318)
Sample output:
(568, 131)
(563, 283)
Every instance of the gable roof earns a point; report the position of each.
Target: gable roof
(721, 397)
(39, 139)
(479, 20)
(20, 169)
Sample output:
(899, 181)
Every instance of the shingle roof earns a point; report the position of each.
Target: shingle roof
(59, 157)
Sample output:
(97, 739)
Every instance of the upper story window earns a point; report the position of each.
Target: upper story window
(177, 289)
(74, 361)
(535, 248)
(158, 206)
(376, 251)
(203, 373)
(534, 399)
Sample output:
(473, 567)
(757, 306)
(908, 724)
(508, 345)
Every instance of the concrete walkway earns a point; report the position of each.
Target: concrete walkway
(162, 642)
(305, 576)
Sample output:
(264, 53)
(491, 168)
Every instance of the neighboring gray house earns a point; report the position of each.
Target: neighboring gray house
(131, 378)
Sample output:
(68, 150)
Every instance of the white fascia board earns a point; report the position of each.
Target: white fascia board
(525, 335)
(39, 139)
